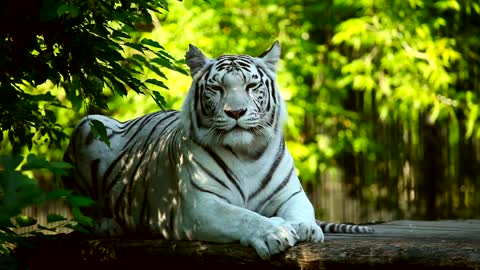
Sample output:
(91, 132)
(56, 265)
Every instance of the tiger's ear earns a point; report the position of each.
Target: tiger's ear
(195, 59)
(271, 56)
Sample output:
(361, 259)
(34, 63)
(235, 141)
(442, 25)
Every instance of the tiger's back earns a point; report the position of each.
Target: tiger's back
(129, 176)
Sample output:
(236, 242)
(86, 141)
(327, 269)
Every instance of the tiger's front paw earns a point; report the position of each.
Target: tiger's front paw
(278, 236)
(308, 231)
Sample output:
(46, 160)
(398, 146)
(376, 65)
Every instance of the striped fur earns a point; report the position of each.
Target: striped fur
(216, 171)
(328, 227)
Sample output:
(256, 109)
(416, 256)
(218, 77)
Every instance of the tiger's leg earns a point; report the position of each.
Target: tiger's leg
(220, 221)
(298, 212)
(107, 227)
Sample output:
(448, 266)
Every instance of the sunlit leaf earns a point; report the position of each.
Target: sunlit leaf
(116, 34)
(159, 99)
(135, 46)
(24, 220)
(99, 131)
(157, 83)
(152, 43)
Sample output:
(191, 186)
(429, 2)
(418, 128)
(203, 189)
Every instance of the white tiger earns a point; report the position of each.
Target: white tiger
(216, 171)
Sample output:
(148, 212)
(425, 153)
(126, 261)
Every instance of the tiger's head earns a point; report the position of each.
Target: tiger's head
(234, 100)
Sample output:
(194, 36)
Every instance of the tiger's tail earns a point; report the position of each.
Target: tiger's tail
(329, 227)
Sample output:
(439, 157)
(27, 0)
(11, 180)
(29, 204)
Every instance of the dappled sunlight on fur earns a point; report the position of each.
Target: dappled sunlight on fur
(217, 171)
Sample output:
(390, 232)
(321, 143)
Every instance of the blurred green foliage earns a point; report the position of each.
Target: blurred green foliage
(352, 71)
(384, 92)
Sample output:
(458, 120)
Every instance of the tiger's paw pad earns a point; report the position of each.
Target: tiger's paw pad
(278, 237)
(308, 232)
(107, 227)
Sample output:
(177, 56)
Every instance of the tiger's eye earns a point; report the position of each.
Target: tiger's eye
(251, 85)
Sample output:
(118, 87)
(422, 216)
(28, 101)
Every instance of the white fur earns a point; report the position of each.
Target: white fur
(164, 172)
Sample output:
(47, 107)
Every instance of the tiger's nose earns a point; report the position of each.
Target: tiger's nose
(235, 114)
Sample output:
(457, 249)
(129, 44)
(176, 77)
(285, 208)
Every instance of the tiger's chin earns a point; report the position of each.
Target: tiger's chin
(238, 138)
(244, 141)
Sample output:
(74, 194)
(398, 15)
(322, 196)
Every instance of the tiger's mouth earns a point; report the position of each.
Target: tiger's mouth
(238, 128)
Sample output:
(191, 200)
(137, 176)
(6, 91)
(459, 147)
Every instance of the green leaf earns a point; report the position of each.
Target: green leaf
(137, 47)
(62, 9)
(96, 83)
(140, 58)
(72, 95)
(159, 99)
(162, 61)
(80, 201)
(157, 71)
(55, 218)
(116, 85)
(5, 223)
(24, 220)
(157, 83)
(41, 227)
(57, 194)
(99, 131)
(164, 4)
(34, 163)
(164, 54)
(152, 43)
(42, 97)
(80, 218)
(10, 163)
(119, 88)
(120, 34)
(78, 228)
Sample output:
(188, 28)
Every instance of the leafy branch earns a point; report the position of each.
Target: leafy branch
(80, 46)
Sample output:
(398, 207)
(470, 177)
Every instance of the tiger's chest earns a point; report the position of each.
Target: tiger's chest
(246, 181)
